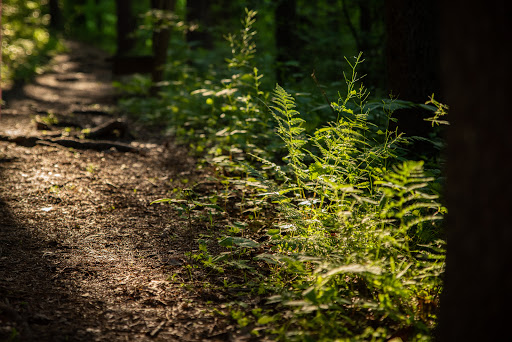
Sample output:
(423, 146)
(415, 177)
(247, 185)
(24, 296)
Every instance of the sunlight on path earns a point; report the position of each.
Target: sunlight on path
(85, 255)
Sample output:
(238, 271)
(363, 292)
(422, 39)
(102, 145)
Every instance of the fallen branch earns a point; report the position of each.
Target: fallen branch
(114, 128)
(157, 329)
(98, 145)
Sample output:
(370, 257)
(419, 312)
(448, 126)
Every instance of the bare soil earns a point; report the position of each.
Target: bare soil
(83, 254)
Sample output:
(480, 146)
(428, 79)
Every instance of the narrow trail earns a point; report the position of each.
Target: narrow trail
(83, 254)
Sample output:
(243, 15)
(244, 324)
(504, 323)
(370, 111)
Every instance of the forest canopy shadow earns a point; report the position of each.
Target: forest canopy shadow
(32, 306)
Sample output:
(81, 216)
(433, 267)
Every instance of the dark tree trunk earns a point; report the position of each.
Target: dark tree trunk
(412, 56)
(161, 39)
(372, 35)
(365, 19)
(476, 302)
(222, 12)
(127, 65)
(126, 25)
(198, 15)
(80, 20)
(55, 15)
(287, 42)
(348, 21)
(99, 18)
(1, 97)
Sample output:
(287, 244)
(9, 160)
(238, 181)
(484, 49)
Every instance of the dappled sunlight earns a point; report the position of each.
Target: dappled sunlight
(194, 170)
(82, 248)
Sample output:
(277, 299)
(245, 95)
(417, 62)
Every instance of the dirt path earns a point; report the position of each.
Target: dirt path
(83, 256)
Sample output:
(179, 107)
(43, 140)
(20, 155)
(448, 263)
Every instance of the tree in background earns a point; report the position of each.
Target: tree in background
(365, 21)
(1, 98)
(55, 15)
(198, 15)
(286, 38)
(225, 15)
(126, 26)
(475, 305)
(79, 19)
(161, 38)
(412, 56)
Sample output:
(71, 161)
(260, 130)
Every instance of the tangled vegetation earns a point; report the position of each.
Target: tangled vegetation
(336, 234)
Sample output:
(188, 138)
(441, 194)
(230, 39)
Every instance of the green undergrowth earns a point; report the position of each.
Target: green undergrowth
(323, 224)
(26, 41)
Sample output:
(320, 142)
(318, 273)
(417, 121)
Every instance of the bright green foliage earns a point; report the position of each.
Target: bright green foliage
(243, 47)
(331, 225)
(225, 117)
(441, 110)
(359, 237)
(290, 129)
(26, 40)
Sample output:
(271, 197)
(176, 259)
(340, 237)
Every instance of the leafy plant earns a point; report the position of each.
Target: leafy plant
(186, 202)
(355, 223)
(441, 110)
(329, 222)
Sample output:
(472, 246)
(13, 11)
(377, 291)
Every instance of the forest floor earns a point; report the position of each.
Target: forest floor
(83, 254)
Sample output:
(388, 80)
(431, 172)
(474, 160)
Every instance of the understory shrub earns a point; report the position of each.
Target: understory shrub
(356, 246)
(333, 226)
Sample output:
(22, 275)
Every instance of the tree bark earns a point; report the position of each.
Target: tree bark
(475, 304)
(412, 56)
(100, 25)
(287, 43)
(126, 26)
(161, 39)
(198, 14)
(1, 97)
(55, 15)
(80, 20)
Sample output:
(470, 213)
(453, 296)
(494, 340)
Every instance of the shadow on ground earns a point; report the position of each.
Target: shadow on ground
(83, 254)
(32, 307)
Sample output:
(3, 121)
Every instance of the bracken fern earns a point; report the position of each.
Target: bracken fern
(357, 228)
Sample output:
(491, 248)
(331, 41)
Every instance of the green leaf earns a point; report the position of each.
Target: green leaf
(265, 319)
(169, 200)
(270, 258)
(273, 232)
(208, 205)
(244, 242)
(162, 200)
(354, 268)
(238, 241)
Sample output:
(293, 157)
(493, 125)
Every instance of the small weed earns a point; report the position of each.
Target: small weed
(91, 168)
(50, 119)
(54, 189)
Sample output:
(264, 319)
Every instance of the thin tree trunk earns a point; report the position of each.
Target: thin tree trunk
(198, 14)
(99, 18)
(287, 44)
(126, 25)
(80, 20)
(412, 59)
(161, 38)
(55, 15)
